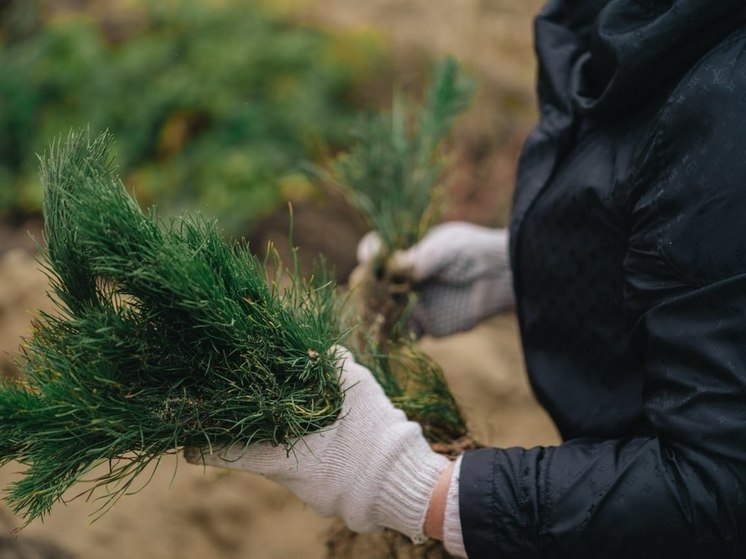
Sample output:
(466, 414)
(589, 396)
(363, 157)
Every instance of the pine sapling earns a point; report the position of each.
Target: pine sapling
(393, 176)
(164, 336)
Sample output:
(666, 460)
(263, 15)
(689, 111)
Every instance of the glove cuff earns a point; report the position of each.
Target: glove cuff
(405, 496)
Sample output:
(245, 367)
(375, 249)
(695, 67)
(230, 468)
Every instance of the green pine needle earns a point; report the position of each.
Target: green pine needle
(165, 336)
(415, 384)
(392, 174)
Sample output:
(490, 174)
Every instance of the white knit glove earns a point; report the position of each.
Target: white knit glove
(373, 467)
(462, 272)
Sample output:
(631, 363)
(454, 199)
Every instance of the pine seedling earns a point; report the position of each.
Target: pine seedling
(392, 174)
(164, 336)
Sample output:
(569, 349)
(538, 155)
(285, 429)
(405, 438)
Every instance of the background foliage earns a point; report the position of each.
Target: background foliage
(215, 104)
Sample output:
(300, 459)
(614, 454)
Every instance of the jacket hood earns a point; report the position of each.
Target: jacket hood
(617, 53)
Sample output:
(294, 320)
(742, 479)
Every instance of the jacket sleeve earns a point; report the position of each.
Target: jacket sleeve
(681, 491)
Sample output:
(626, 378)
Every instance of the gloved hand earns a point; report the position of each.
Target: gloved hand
(372, 467)
(462, 275)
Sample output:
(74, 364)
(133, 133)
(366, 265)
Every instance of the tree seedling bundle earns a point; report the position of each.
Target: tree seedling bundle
(393, 176)
(164, 336)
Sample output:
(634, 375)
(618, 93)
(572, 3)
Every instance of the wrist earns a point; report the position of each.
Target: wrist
(436, 509)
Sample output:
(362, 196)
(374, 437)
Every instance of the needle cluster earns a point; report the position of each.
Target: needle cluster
(392, 173)
(164, 336)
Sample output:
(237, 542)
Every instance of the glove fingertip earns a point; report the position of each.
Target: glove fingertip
(368, 247)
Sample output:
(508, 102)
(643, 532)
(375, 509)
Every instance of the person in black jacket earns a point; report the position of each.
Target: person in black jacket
(628, 255)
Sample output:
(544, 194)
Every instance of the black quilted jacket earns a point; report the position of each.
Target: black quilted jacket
(629, 252)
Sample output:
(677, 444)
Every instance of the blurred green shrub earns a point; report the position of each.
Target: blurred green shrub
(214, 104)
